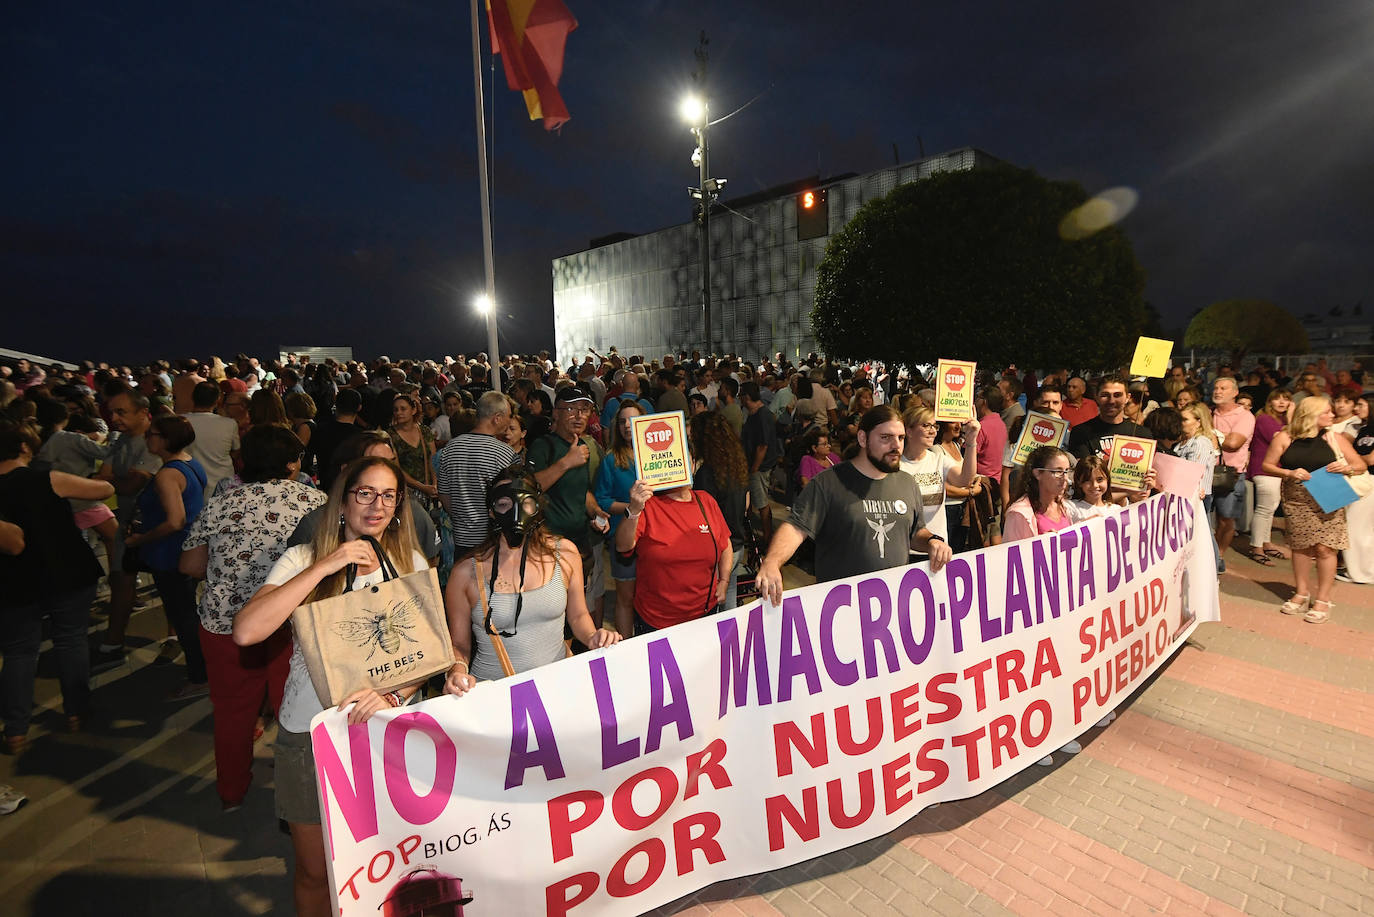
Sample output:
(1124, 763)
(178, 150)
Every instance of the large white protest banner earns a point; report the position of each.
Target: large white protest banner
(618, 780)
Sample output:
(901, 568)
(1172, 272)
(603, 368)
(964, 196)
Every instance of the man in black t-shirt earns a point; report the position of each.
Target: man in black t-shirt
(1093, 437)
(864, 514)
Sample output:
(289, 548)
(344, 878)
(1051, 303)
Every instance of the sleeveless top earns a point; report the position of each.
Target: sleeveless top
(164, 553)
(538, 637)
(1309, 453)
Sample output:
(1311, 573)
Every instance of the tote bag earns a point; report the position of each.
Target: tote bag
(384, 636)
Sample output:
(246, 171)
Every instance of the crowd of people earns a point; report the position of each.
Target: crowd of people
(523, 495)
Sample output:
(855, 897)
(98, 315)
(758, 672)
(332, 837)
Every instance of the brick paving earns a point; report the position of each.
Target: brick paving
(1239, 780)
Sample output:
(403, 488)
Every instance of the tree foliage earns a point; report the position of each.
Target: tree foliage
(970, 265)
(1241, 326)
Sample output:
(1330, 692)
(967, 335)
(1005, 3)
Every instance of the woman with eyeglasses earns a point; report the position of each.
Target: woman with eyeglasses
(521, 584)
(1041, 508)
(368, 498)
(936, 470)
(613, 482)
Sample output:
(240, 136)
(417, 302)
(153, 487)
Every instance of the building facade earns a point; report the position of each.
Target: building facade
(643, 293)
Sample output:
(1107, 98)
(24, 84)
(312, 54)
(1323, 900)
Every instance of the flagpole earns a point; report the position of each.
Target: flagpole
(493, 357)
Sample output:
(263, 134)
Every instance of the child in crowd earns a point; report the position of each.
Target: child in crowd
(1092, 490)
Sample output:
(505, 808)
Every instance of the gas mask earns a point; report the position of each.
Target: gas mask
(515, 508)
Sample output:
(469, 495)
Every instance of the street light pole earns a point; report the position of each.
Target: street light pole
(703, 139)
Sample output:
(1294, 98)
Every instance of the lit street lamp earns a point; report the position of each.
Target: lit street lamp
(694, 113)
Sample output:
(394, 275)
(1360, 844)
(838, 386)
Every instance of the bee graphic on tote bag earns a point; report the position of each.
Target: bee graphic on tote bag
(384, 630)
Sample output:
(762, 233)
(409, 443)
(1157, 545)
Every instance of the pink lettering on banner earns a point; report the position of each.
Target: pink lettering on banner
(601, 784)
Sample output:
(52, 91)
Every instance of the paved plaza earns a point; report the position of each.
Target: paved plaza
(1240, 780)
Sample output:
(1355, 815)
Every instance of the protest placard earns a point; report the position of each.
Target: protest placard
(1038, 430)
(660, 446)
(1130, 461)
(1178, 476)
(612, 782)
(1151, 357)
(954, 390)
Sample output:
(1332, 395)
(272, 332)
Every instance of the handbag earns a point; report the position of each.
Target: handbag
(1224, 477)
(385, 636)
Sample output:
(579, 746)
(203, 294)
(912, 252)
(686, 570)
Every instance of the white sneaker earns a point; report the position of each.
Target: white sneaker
(10, 799)
(1046, 761)
(1102, 723)
(1072, 748)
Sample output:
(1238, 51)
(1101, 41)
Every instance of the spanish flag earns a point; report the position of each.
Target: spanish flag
(530, 36)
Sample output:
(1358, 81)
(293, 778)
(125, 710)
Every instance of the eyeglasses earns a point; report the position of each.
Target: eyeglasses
(929, 426)
(366, 496)
(1057, 472)
(575, 408)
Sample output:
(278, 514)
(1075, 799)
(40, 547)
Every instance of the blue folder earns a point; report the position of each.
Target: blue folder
(1330, 490)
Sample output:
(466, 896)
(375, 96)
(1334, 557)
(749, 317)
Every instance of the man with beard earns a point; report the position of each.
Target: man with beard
(864, 514)
(1094, 437)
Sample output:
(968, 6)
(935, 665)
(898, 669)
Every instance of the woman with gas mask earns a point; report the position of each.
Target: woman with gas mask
(513, 593)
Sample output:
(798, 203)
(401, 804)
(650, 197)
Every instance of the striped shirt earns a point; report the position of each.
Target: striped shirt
(466, 466)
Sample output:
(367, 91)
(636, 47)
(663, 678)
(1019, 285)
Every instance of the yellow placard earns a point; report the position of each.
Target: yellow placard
(1130, 459)
(660, 444)
(954, 390)
(1038, 430)
(1151, 357)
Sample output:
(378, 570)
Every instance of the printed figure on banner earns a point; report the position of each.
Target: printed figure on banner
(954, 390)
(660, 448)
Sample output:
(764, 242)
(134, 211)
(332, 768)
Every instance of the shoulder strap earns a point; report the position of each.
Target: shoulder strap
(497, 643)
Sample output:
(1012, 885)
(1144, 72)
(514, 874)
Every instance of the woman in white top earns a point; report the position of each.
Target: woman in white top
(368, 499)
(933, 467)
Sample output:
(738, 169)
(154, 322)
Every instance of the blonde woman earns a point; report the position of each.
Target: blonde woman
(368, 499)
(1199, 444)
(1304, 446)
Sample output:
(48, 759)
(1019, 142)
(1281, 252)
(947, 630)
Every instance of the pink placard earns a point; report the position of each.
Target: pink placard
(1178, 476)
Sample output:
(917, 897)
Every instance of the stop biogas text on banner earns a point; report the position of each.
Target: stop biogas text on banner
(615, 781)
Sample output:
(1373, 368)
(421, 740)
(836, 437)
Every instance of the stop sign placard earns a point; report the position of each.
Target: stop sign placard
(1042, 432)
(956, 378)
(1132, 453)
(659, 436)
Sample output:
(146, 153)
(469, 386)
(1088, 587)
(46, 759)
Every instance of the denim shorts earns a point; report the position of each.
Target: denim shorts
(621, 571)
(1231, 504)
(298, 800)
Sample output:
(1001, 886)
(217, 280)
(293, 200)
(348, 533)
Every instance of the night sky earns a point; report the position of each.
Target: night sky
(209, 178)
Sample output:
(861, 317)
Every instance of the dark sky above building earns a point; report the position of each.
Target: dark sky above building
(209, 178)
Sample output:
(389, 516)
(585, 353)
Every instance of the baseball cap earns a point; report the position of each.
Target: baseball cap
(570, 394)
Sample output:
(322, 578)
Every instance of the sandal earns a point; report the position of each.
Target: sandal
(1275, 553)
(1295, 607)
(1259, 557)
(1318, 617)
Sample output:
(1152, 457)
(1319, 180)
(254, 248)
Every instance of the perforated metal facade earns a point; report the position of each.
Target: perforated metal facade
(643, 294)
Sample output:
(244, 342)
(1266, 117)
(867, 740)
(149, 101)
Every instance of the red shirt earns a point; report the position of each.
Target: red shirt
(676, 558)
(1077, 415)
(991, 443)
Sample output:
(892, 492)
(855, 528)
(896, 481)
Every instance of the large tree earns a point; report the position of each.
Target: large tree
(972, 265)
(1241, 326)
